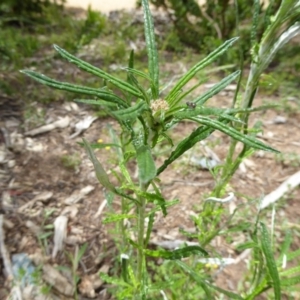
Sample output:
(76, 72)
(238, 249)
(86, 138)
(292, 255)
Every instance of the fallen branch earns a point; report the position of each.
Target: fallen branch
(285, 187)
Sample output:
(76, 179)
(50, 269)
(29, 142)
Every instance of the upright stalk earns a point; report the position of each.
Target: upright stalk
(141, 232)
(279, 32)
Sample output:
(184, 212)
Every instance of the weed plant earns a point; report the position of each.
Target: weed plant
(146, 119)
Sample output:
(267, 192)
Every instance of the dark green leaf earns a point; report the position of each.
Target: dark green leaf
(178, 253)
(199, 66)
(102, 94)
(290, 271)
(290, 281)
(217, 88)
(145, 162)
(149, 227)
(246, 139)
(100, 172)
(138, 73)
(116, 218)
(96, 102)
(123, 85)
(151, 49)
(203, 281)
(292, 255)
(130, 113)
(197, 135)
(205, 111)
(113, 280)
(246, 245)
(156, 198)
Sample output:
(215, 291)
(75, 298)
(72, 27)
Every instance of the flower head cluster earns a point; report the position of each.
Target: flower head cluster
(159, 105)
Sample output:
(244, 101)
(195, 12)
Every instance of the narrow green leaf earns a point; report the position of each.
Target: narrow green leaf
(162, 285)
(139, 87)
(271, 263)
(255, 20)
(217, 88)
(167, 204)
(229, 294)
(152, 198)
(123, 85)
(203, 281)
(285, 245)
(81, 251)
(182, 96)
(205, 111)
(130, 64)
(100, 145)
(292, 255)
(102, 94)
(138, 73)
(116, 218)
(199, 66)
(246, 139)
(151, 49)
(149, 227)
(290, 281)
(290, 271)
(125, 173)
(178, 253)
(197, 135)
(100, 172)
(124, 267)
(146, 165)
(113, 280)
(96, 102)
(131, 276)
(246, 245)
(130, 113)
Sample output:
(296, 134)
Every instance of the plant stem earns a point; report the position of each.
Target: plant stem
(141, 230)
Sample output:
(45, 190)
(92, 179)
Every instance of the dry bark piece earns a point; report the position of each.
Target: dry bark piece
(57, 281)
(286, 186)
(61, 123)
(44, 196)
(90, 283)
(83, 125)
(60, 233)
(78, 195)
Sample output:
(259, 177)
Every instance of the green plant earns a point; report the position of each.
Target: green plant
(46, 231)
(282, 27)
(72, 161)
(206, 25)
(25, 11)
(145, 120)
